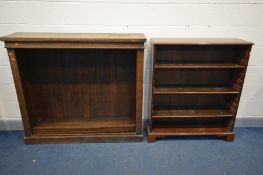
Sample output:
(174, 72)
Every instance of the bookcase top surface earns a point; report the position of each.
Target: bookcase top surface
(75, 37)
(200, 41)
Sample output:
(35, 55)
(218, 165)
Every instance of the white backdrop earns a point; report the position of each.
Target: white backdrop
(155, 18)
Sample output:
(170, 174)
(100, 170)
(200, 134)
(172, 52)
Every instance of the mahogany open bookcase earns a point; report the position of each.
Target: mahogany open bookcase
(196, 86)
(78, 87)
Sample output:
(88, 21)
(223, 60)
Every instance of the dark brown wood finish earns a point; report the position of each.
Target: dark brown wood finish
(69, 93)
(197, 85)
(139, 89)
(200, 41)
(74, 40)
(195, 90)
(76, 37)
(20, 91)
(73, 45)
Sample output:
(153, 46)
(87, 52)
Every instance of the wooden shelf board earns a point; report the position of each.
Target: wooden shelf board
(195, 90)
(82, 127)
(199, 66)
(198, 113)
(200, 41)
(75, 37)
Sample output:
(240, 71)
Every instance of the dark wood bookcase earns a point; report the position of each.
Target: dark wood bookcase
(196, 86)
(78, 87)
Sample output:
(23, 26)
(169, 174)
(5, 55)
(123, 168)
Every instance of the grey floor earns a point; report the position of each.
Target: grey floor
(206, 156)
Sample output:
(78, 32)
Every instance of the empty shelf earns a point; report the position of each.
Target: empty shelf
(195, 90)
(198, 113)
(194, 66)
(60, 127)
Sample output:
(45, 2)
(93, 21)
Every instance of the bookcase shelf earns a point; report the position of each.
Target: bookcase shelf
(196, 86)
(190, 131)
(199, 66)
(62, 127)
(190, 113)
(195, 90)
(78, 87)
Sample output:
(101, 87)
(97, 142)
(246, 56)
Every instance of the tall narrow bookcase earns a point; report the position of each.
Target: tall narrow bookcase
(78, 87)
(196, 86)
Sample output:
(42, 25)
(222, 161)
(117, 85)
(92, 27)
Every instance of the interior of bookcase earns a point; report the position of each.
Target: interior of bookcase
(196, 88)
(79, 91)
(201, 54)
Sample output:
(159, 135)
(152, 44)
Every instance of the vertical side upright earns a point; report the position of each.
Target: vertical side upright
(139, 89)
(153, 57)
(19, 91)
(151, 137)
(239, 82)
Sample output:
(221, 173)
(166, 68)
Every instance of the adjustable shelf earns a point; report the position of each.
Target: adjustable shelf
(194, 90)
(196, 86)
(199, 66)
(190, 113)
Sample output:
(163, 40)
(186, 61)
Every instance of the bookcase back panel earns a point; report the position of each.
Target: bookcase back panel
(78, 84)
(191, 101)
(180, 123)
(200, 54)
(195, 77)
